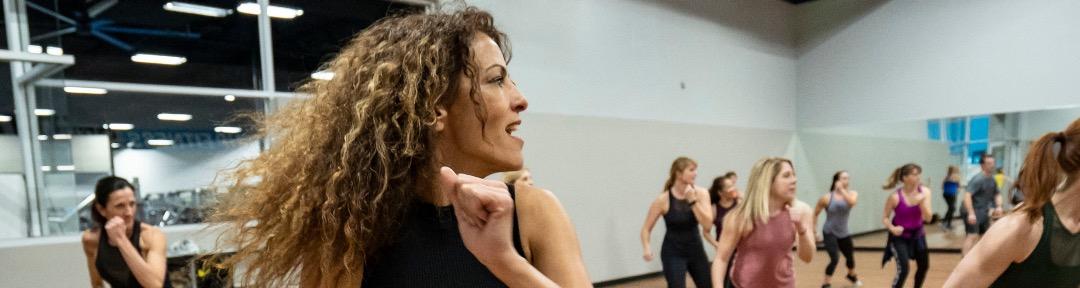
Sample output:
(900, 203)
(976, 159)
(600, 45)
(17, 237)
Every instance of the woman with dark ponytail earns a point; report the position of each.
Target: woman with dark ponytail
(837, 205)
(1038, 244)
(910, 207)
(121, 250)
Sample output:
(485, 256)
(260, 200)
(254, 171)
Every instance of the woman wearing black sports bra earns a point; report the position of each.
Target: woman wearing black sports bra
(686, 210)
(120, 250)
(1038, 244)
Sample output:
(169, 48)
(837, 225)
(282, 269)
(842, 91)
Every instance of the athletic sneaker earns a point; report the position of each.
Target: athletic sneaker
(854, 280)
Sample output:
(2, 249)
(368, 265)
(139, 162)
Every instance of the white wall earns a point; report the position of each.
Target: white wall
(10, 154)
(183, 167)
(607, 171)
(1034, 124)
(913, 130)
(13, 210)
(626, 59)
(910, 60)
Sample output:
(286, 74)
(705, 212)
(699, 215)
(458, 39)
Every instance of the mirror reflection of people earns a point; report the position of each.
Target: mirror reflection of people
(909, 207)
(762, 230)
(519, 177)
(982, 201)
(1037, 244)
(950, 187)
(837, 205)
(120, 250)
(376, 179)
(686, 210)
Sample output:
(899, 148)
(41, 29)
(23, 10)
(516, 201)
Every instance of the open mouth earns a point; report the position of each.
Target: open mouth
(510, 129)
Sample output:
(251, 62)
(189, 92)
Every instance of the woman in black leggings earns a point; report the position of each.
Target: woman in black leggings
(685, 208)
(837, 206)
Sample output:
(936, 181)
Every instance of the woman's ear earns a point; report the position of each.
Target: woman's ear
(440, 118)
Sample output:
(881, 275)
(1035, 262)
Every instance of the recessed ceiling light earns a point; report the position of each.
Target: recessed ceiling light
(5, 118)
(273, 11)
(159, 142)
(115, 145)
(61, 136)
(54, 50)
(158, 59)
(230, 98)
(228, 129)
(44, 112)
(85, 90)
(46, 168)
(173, 117)
(119, 126)
(65, 167)
(42, 137)
(322, 75)
(189, 8)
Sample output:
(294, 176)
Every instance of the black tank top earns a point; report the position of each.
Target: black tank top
(682, 227)
(110, 263)
(428, 252)
(1055, 262)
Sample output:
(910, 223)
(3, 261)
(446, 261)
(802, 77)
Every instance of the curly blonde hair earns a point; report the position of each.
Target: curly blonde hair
(345, 164)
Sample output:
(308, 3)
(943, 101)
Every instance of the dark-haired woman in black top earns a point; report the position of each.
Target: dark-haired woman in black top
(121, 250)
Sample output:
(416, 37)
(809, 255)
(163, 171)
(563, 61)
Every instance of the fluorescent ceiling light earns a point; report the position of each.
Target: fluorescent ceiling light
(65, 167)
(230, 98)
(36, 49)
(173, 117)
(5, 118)
(46, 168)
(44, 112)
(42, 137)
(197, 9)
(115, 145)
(159, 142)
(322, 75)
(119, 126)
(227, 129)
(274, 11)
(85, 90)
(158, 59)
(61, 136)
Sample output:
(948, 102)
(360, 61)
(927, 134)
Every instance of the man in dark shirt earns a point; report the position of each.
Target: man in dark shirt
(981, 200)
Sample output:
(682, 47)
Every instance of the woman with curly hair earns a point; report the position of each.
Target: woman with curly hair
(360, 186)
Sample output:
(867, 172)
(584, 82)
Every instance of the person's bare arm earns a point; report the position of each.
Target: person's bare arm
(89, 243)
(729, 237)
(551, 239)
(656, 209)
(1010, 240)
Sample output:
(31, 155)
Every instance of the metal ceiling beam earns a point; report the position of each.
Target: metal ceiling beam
(166, 89)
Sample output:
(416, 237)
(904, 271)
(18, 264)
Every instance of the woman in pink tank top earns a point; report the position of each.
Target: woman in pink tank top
(762, 229)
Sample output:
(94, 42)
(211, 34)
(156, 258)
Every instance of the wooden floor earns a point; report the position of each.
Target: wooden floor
(868, 263)
(867, 266)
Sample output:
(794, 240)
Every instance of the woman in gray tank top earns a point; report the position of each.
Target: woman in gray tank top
(837, 205)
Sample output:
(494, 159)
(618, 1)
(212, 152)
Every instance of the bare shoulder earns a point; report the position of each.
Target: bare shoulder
(1014, 233)
(152, 235)
(90, 239)
(927, 190)
(534, 198)
(853, 192)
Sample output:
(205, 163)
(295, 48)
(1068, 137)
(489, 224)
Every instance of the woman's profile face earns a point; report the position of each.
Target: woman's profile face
(489, 146)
